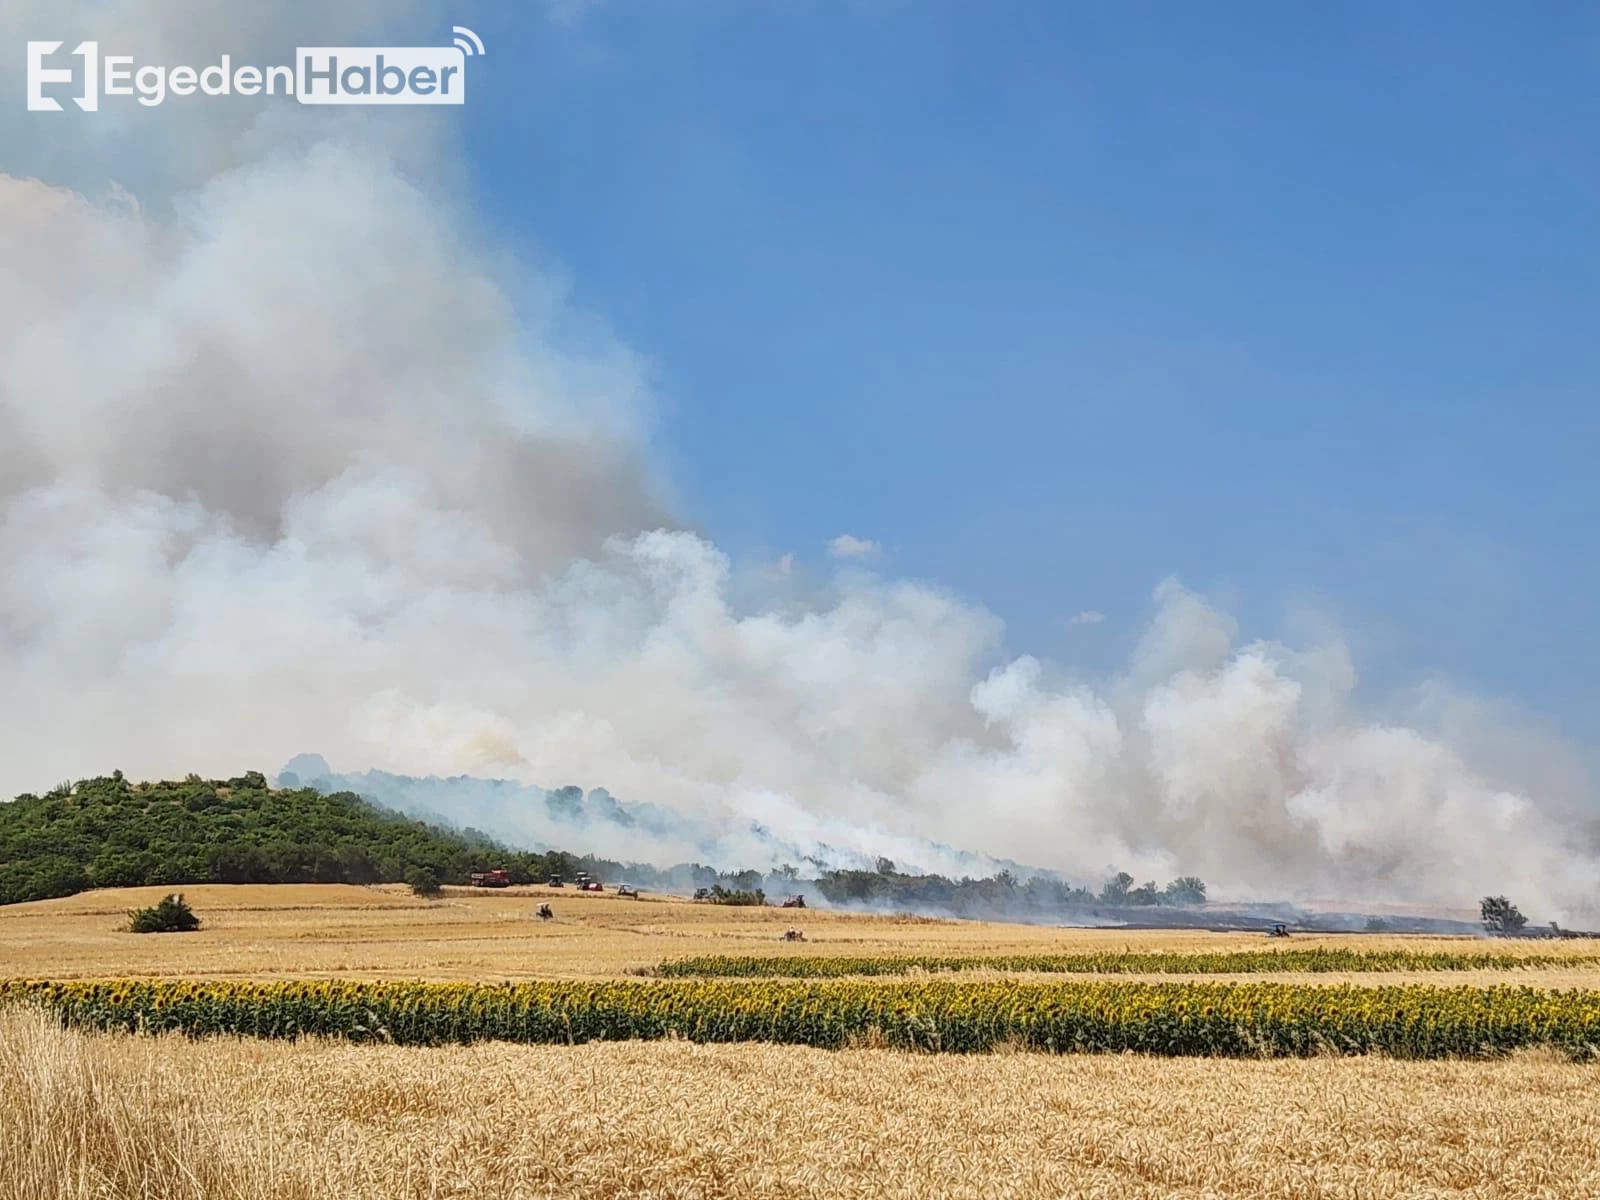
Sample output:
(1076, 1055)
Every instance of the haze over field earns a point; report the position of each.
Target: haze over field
(294, 459)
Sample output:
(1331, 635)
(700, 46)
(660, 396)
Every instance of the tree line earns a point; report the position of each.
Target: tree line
(110, 832)
(1001, 892)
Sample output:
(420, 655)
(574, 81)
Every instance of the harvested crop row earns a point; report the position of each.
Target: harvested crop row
(946, 1015)
(1231, 962)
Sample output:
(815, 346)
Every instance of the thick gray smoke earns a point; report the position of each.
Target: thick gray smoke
(291, 461)
(568, 818)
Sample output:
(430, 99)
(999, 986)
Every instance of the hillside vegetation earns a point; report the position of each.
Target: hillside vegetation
(109, 832)
(112, 832)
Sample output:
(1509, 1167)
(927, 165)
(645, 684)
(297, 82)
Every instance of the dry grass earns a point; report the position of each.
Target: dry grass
(88, 1119)
(279, 931)
(113, 1117)
(100, 1117)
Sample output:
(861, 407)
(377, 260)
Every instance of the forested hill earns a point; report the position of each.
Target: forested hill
(109, 832)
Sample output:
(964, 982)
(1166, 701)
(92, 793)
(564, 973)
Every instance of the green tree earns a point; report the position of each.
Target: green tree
(1146, 894)
(1186, 889)
(1116, 888)
(423, 882)
(1500, 915)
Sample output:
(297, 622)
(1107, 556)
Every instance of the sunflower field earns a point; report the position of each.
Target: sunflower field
(1225, 962)
(1257, 1019)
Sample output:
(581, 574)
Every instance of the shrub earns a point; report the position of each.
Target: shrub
(172, 915)
(423, 882)
(753, 898)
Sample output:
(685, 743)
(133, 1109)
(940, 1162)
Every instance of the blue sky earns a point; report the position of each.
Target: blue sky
(1297, 303)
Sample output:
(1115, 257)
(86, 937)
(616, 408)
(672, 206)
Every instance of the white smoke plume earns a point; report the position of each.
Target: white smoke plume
(292, 461)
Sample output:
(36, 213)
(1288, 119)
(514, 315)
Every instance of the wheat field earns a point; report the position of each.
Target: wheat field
(98, 1116)
(277, 931)
(111, 1116)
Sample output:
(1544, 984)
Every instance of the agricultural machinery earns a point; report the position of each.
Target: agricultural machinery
(496, 878)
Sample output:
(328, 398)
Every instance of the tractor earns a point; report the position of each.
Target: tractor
(795, 902)
(1278, 930)
(543, 912)
(623, 890)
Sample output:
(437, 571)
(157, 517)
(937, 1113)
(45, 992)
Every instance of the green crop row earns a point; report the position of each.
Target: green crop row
(1222, 962)
(1414, 1021)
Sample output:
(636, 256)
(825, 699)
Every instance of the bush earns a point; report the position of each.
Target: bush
(172, 915)
(753, 898)
(423, 882)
